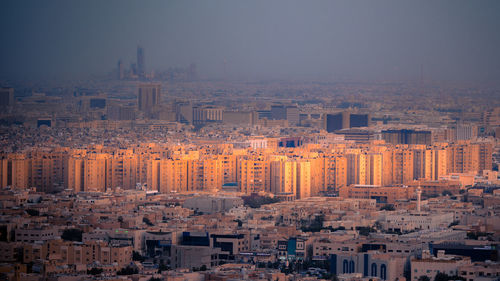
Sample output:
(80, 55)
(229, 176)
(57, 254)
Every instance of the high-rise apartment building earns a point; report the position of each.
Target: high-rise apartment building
(149, 96)
(429, 163)
(174, 168)
(402, 166)
(20, 167)
(253, 175)
(229, 167)
(75, 176)
(122, 170)
(465, 156)
(213, 177)
(4, 171)
(173, 175)
(195, 176)
(283, 176)
(335, 172)
(303, 179)
(318, 185)
(364, 168)
(95, 171)
(41, 169)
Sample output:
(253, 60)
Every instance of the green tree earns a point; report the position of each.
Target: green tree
(315, 225)
(388, 207)
(33, 212)
(255, 200)
(445, 277)
(147, 221)
(476, 235)
(127, 271)
(240, 223)
(137, 257)
(364, 230)
(95, 271)
(162, 267)
(446, 193)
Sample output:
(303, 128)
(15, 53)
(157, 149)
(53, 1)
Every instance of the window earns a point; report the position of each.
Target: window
(383, 272)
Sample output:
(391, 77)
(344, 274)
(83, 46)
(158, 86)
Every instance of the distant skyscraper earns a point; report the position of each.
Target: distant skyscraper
(345, 120)
(207, 114)
(292, 115)
(278, 112)
(141, 68)
(465, 132)
(406, 136)
(120, 73)
(359, 120)
(184, 111)
(133, 68)
(337, 121)
(333, 122)
(192, 73)
(282, 112)
(148, 96)
(6, 97)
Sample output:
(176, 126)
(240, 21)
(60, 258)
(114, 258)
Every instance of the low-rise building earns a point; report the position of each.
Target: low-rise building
(430, 266)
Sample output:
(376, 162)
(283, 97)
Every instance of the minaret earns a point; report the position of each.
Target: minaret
(419, 195)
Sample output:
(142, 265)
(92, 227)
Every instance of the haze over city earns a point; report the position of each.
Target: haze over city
(323, 40)
(249, 140)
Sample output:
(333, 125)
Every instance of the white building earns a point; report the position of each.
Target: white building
(212, 204)
(480, 271)
(430, 266)
(414, 221)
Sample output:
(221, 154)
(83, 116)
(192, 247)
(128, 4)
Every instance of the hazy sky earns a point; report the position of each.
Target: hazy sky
(454, 40)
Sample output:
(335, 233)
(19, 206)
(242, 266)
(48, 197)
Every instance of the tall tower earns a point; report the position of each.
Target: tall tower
(419, 198)
(120, 73)
(141, 68)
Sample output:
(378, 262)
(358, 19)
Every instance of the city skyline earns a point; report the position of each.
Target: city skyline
(250, 140)
(332, 41)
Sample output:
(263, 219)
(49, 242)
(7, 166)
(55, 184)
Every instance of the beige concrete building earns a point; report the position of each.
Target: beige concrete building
(429, 265)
